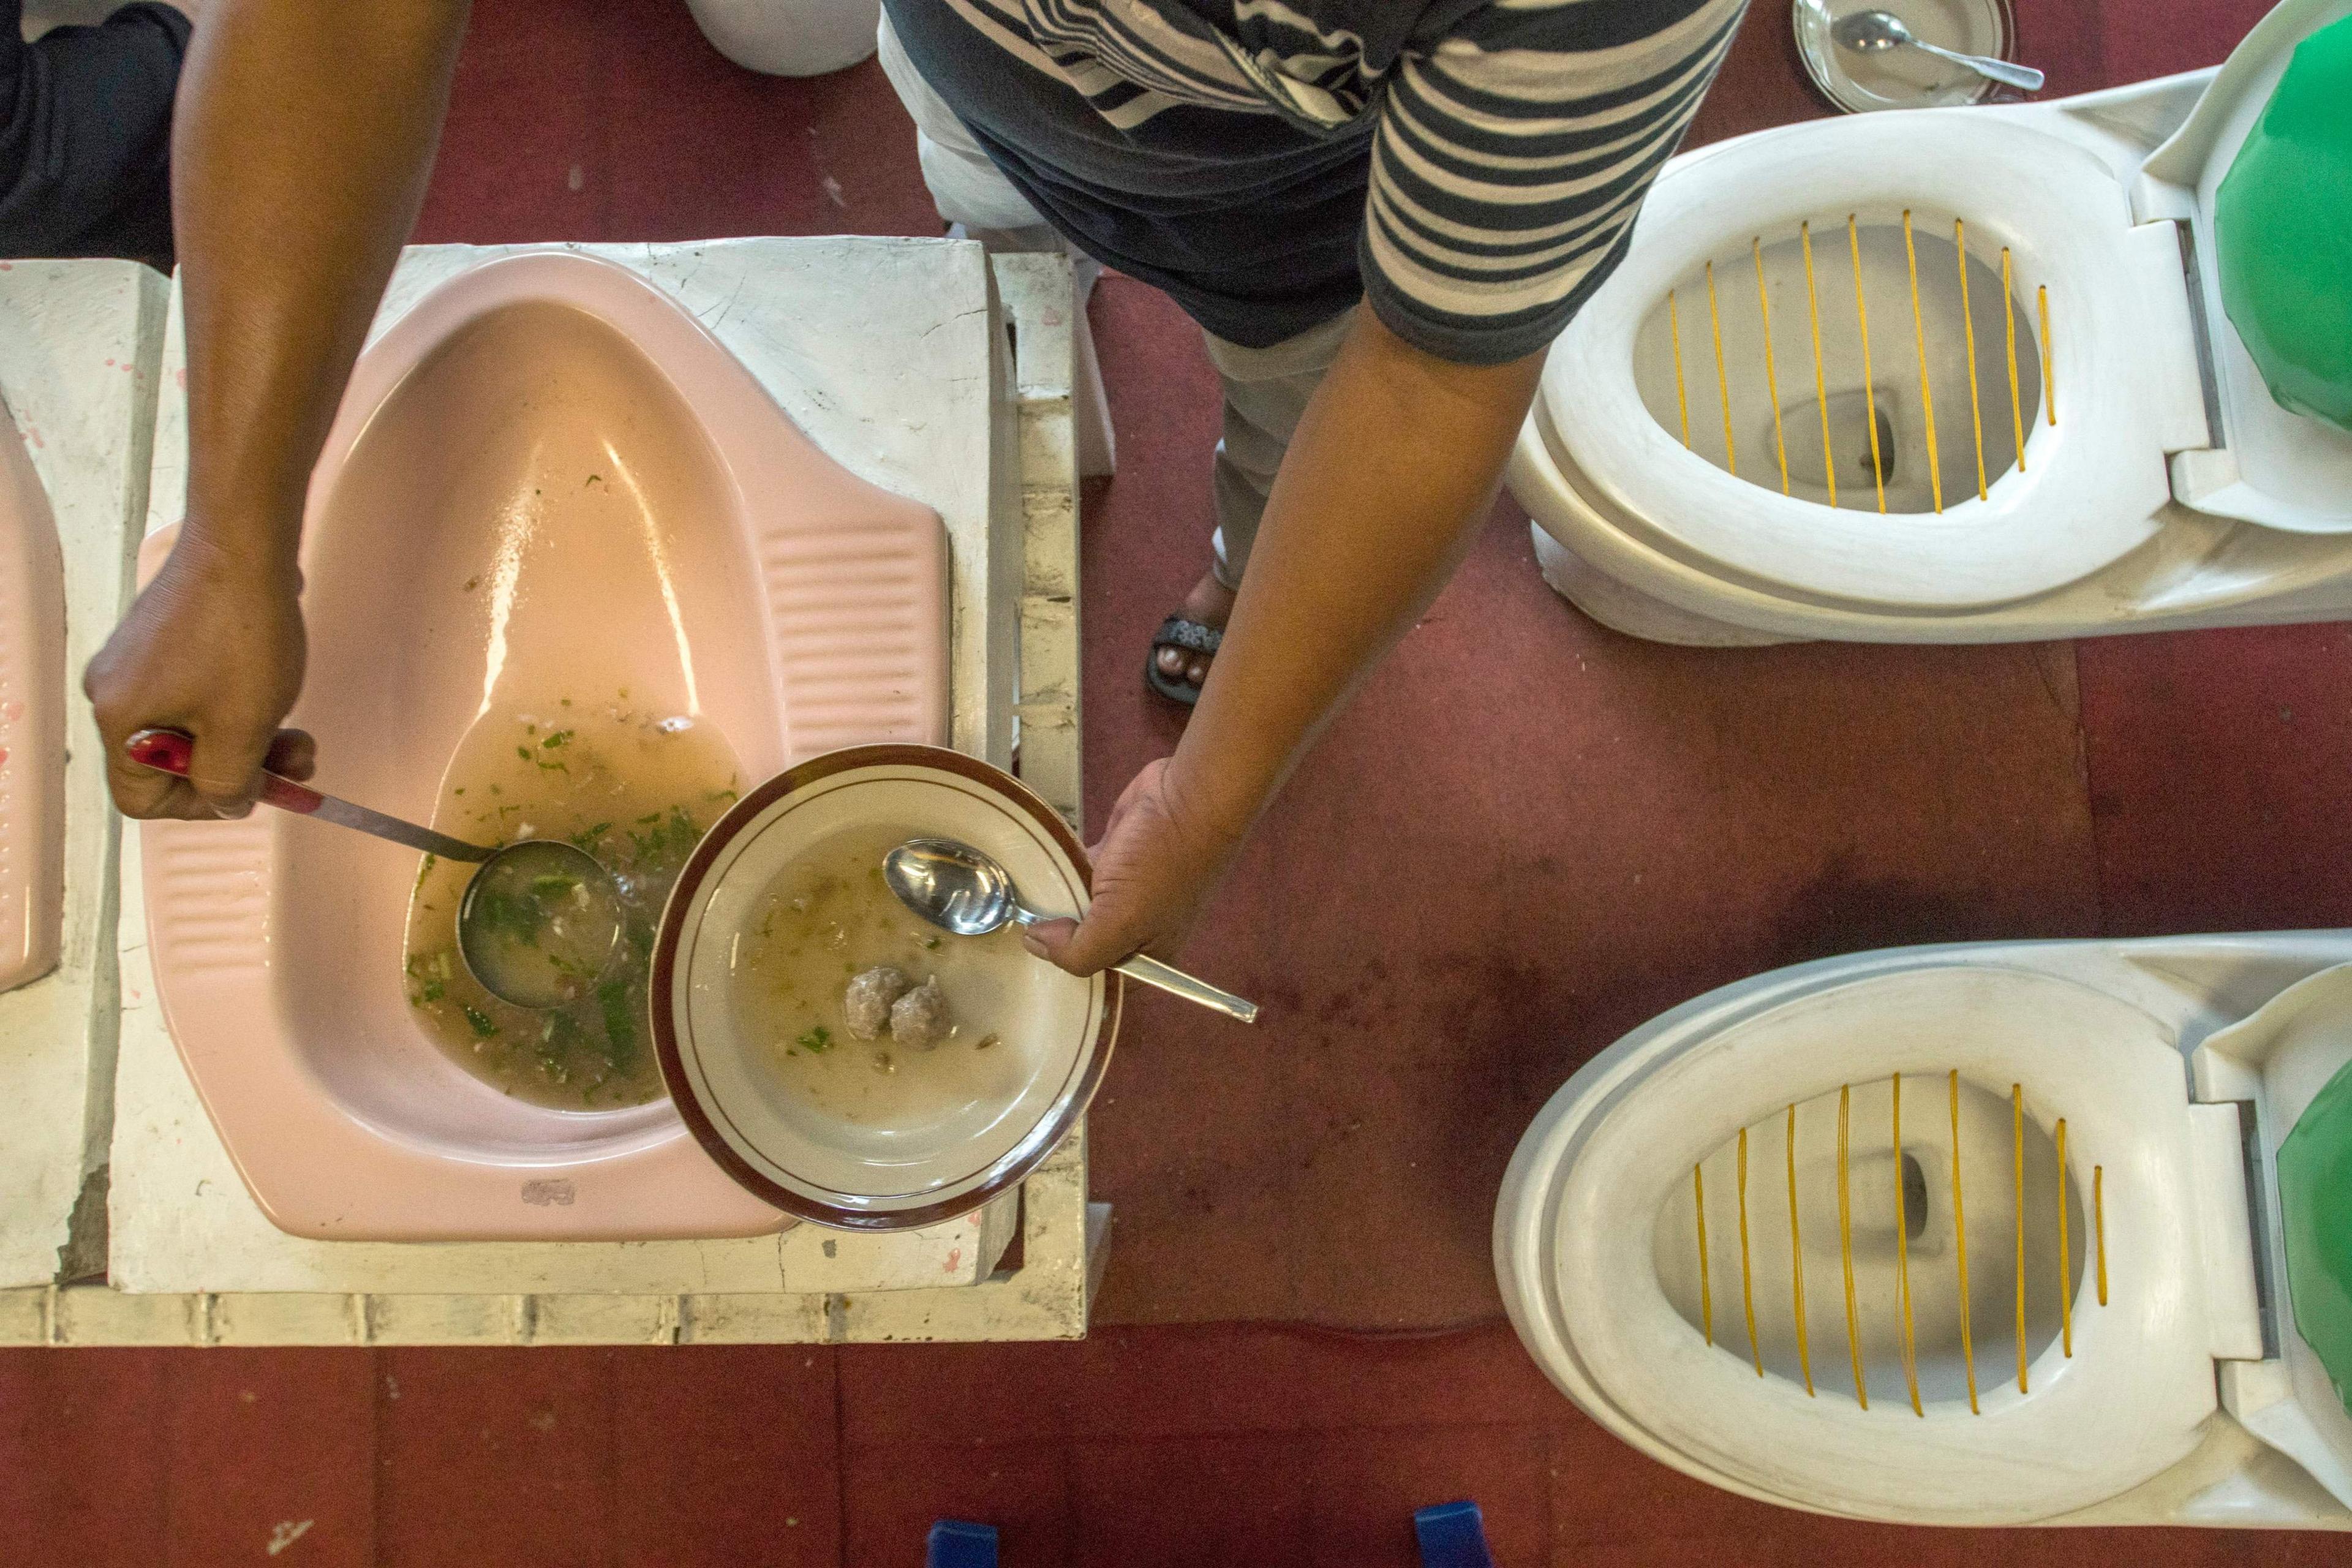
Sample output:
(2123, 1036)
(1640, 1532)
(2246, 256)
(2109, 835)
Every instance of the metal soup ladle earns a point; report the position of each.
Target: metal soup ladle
(960, 890)
(513, 969)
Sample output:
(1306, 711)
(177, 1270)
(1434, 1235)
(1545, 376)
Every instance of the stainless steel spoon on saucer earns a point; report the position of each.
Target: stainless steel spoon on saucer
(959, 889)
(506, 905)
(1876, 32)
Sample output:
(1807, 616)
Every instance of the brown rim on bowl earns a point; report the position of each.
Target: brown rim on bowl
(1010, 1167)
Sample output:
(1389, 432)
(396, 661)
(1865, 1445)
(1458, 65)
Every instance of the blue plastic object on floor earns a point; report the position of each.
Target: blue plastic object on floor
(955, 1545)
(1452, 1535)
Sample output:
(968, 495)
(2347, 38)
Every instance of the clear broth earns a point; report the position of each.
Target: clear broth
(635, 789)
(540, 923)
(829, 917)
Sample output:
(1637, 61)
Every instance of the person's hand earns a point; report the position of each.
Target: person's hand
(213, 647)
(1154, 867)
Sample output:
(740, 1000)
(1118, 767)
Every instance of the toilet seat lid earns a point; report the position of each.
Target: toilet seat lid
(2279, 469)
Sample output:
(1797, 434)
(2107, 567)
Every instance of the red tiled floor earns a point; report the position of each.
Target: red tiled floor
(530, 106)
(718, 1447)
(1189, 1382)
(2136, 44)
(2221, 778)
(81, 1460)
(2068, 41)
(1211, 1447)
(618, 122)
(1181, 1502)
(270, 1449)
(498, 1455)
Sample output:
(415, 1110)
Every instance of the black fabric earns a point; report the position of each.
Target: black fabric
(1471, 168)
(86, 135)
(1257, 244)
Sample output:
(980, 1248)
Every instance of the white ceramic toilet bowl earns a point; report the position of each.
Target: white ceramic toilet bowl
(1786, 416)
(2059, 1180)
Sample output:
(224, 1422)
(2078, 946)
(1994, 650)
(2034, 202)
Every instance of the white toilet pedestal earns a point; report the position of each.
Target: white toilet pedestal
(2229, 1290)
(2199, 572)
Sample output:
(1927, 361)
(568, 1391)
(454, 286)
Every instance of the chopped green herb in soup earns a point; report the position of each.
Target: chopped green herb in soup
(635, 791)
(541, 922)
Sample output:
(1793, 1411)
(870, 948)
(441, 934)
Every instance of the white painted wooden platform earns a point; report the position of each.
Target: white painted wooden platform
(924, 367)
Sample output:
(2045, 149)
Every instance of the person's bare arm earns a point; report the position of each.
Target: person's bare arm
(1391, 474)
(304, 135)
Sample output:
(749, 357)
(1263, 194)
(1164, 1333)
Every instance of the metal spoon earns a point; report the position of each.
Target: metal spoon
(1876, 32)
(518, 870)
(960, 890)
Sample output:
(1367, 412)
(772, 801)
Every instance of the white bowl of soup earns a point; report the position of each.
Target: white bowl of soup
(765, 971)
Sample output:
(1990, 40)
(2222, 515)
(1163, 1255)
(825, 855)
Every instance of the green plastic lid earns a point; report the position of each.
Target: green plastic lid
(2282, 223)
(2314, 1178)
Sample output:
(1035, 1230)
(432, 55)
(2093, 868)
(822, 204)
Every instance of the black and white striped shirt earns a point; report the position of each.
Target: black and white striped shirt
(1471, 166)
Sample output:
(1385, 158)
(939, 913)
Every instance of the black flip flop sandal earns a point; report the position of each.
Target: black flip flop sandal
(1193, 637)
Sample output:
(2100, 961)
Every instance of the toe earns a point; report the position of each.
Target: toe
(1198, 671)
(1171, 662)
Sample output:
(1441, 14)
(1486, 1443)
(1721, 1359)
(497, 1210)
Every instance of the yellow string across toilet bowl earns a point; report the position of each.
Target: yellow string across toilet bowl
(1845, 1250)
(1960, 1247)
(1968, 326)
(1797, 1261)
(1705, 1296)
(1747, 1280)
(2009, 339)
(2049, 372)
(1722, 376)
(1682, 396)
(1869, 378)
(1755, 1248)
(2017, 1144)
(1902, 1252)
(1927, 391)
(1821, 379)
(2099, 1217)
(2065, 1257)
(1772, 376)
(1883, 445)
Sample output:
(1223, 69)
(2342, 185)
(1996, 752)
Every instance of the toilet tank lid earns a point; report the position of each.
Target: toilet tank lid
(2284, 470)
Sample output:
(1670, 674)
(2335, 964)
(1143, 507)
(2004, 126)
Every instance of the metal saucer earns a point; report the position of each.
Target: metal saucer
(1904, 79)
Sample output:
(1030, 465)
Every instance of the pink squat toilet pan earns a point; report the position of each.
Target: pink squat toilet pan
(32, 720)
(546, 479)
